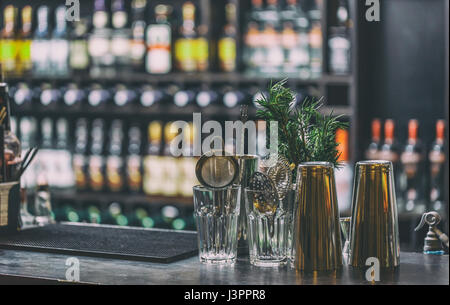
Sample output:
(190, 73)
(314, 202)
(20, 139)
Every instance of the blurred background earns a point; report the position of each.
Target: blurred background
(97, 95)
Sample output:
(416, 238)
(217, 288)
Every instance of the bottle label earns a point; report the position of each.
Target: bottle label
(227, 53)
(79, 58)
(120, 46)
(114, 173)
(159, 41)
(96, 178)
(201, 53)
(79, 168)
(98, 46)
(184, 53)
(100, 19)
(134, 173)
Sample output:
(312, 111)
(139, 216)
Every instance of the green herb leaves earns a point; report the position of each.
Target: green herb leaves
(304, 133)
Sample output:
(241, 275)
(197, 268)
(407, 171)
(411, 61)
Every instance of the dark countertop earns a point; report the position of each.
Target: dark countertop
(33, 267)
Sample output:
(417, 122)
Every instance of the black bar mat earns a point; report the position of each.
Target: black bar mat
(105, 241)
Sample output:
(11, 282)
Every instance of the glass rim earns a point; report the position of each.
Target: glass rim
(374, 165)
(315, 164)
(203, 188)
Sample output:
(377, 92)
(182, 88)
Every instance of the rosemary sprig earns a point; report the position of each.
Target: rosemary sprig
(304, 133)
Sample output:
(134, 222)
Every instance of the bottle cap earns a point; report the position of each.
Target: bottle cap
(413, 127)
(376, 130)
(440, 130)
(389, 127)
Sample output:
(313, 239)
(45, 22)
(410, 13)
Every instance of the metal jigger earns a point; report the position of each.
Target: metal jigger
(248, 165)
(374, 223)
(317, 239)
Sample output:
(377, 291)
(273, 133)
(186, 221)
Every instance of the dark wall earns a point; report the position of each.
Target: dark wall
(402, 66)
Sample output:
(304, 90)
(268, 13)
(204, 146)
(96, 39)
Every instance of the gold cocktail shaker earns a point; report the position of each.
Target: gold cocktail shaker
(374, 223)
(317, 237)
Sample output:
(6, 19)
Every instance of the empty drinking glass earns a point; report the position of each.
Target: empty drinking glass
(217, 212)
(267, 229)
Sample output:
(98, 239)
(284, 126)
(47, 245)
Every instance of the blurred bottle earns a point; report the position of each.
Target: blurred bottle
(24, 63)
(96, 161)
(73, 96)
(114, 162)
(201, 48)
(48, 95)
(28, 136)
(228, 40)
(185, 44)
(41, 44)
(120, 39)
(79, 51)
(134, 160)
(273, 50)
(139, 217)
(412, 172)
(315, 38)
(42, 203)
(253, 53)
(159, 42)
(8, 41)
(65, 178)
(102, 59)
(169, 213)
(170, 178)
(372, 152)
(437, 160)
(23, 95)
(46, 154)
(98, 96)
(206, 97)
(59, 44)
(67, 213)
(124, 96)
(153, 165)
(151, 96)
(79, 160)
(93, 214)
(183, 98)
(138, 48)
(233, 97)
(26, 217)
(115, 215)
(389, 151)
(344, 175)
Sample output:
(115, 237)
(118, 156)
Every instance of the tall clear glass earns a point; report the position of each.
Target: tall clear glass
(267, 230)
(217, 212)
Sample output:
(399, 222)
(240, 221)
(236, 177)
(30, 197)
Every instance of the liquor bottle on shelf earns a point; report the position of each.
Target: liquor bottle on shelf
(79, 159)
(138, 48)
(256, 11)
(42, 201)
(273, 51)
(201, 48)
(79, 52)
(339, 51)
(185, 43)
(48, 95)
(134, 160)
(437, 160)
(24, 63)
(67, 213)
(170, 178)
(169, 213)
(120, 39)
(114, 162)
(59, 45)
(23, 95)
(65, 178)
(253, 54)
(206, 97)
(153, 167)
(28, 127)
(159, 42)
(93, 214)
(183, 98)
(124, 96)
(139, 217)
(372, 152)
(46, 154)
(344, 175)
(8, 42)
(227, 41)
(96, 166)
(41, 44)
(150, 96)
(99, 46)
(186, 165)
(412, 172)
(98, 96)
(115, 215)
(271, 14)
(73, 95)
(315, 39)
(295, 39)
(233, 97)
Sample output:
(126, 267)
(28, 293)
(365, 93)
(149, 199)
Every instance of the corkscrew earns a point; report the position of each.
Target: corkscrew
(435, 237)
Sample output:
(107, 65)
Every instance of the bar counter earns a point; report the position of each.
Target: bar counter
(28, 267)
